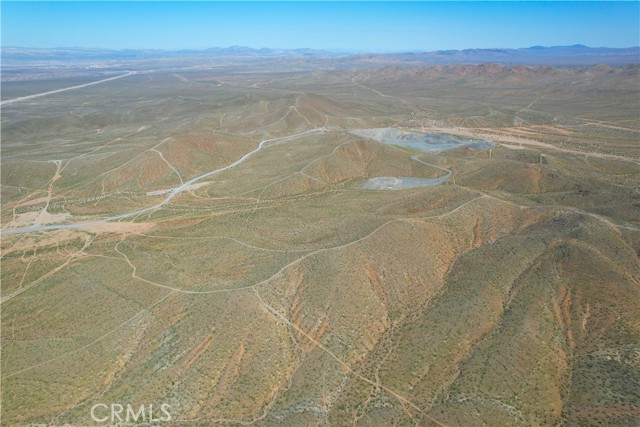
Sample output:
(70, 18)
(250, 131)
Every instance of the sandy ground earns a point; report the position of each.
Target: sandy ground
(51, 238)
(32, 202)
(120, 227)
(510, 139)
(42, 217)
(513, 147)
(198, 185)
(157, 192)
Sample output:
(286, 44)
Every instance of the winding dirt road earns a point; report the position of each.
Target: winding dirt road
(174, 192)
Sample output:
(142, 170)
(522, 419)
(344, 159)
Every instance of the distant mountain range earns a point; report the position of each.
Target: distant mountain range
(576, 55)
(537, 55)
(79, 53)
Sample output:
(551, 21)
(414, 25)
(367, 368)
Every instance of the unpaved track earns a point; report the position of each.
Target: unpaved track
(342, 363)
(444, 178)
(174, 192)
(510, 139)
(100, 338)
(51, 92)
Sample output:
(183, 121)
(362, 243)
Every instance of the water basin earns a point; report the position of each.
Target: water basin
(432, 142)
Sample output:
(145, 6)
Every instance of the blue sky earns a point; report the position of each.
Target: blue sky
(355, 26)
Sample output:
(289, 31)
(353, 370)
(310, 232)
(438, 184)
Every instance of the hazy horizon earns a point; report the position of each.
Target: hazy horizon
(375, 27)
(329, 50)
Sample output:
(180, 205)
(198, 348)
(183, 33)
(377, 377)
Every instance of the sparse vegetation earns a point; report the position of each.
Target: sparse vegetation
(280, 293)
